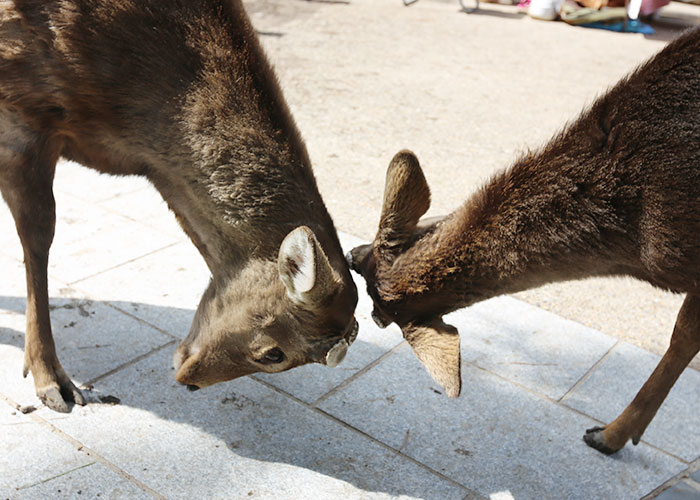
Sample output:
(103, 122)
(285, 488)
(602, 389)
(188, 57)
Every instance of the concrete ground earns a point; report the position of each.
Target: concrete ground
(364, 78)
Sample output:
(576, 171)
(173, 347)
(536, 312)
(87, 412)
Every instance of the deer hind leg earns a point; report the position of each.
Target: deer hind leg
(26, 179)
(633, 421)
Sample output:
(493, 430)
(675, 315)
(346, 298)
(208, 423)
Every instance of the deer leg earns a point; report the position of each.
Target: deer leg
(26, 184)
(633, 421)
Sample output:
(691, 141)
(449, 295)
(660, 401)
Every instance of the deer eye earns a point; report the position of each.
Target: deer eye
(271, 357)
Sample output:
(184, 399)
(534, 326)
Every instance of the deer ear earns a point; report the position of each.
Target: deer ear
(304, 268)
(406, 199)
(436, 344)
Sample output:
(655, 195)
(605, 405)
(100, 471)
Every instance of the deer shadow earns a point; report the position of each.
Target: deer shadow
(289, 419)
(243, 423)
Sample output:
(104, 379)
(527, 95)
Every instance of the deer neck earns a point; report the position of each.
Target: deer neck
(547, 218)
(240, 204)
(242, 178)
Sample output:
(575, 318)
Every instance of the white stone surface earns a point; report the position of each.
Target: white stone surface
(236, 438)
(613, 385)
(31, 453)
(495, 438)
(542, 351)
(93, 481)
(91, 337)
(363, 79)
(162, 288)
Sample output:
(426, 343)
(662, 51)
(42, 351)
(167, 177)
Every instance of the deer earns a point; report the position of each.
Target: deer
(181, 93)
(615, 192)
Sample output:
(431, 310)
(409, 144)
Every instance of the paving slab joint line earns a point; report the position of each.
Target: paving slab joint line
(141, 320)
(474, 496)
(692, 482)
(129, 363)
(675, 480)
(681, 476)
(395, 452)
(568, 408)
(97, 457)
(358, 374)
(121, 264)
(587, 375)
(42, 481)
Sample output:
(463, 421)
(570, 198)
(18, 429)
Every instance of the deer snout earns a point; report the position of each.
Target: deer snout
(349, 259)
(357, 258)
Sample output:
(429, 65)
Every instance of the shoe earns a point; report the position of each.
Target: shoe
(544, 10)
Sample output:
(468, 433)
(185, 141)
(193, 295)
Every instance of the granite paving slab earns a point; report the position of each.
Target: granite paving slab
(680, 491)
(31, 453)
(91, 340)
(162, 288)
(147, 207)
(90, 239)
(91, 337)
(615, 382)
(496, 438)
(540, 350)
(237, 440)
(313, 381)
(92, 481)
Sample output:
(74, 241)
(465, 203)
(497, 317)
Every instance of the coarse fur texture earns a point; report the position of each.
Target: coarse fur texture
(616, 192)
(178, 91)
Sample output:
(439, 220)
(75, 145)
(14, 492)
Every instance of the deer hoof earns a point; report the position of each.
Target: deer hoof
(57, 397)
(594, 438)
(52, 398)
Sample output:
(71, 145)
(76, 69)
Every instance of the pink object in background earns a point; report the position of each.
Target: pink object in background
(651, 6)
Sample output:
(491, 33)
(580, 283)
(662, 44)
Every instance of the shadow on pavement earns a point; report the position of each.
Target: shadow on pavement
(235, 430)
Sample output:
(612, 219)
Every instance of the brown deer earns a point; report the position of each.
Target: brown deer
(178, 91)
(617, 192)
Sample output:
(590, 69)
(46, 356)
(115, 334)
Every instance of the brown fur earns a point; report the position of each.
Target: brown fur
(178, 91)
(617, 192)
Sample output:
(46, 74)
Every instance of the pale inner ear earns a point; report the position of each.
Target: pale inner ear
(297, 262)
(436, 345)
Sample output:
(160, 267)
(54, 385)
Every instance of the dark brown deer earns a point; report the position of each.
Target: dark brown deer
(178, 91)
(617, 192)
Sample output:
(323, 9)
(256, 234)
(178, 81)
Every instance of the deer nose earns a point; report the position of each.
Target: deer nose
(350, 259)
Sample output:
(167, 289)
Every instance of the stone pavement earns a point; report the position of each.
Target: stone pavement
(125, 282)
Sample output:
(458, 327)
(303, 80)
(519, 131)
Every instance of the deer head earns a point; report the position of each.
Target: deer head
(270, 317)
(406, 199)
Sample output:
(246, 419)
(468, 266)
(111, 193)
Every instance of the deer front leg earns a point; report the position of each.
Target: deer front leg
(633, 421)
(26, 186)
(53, 386)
